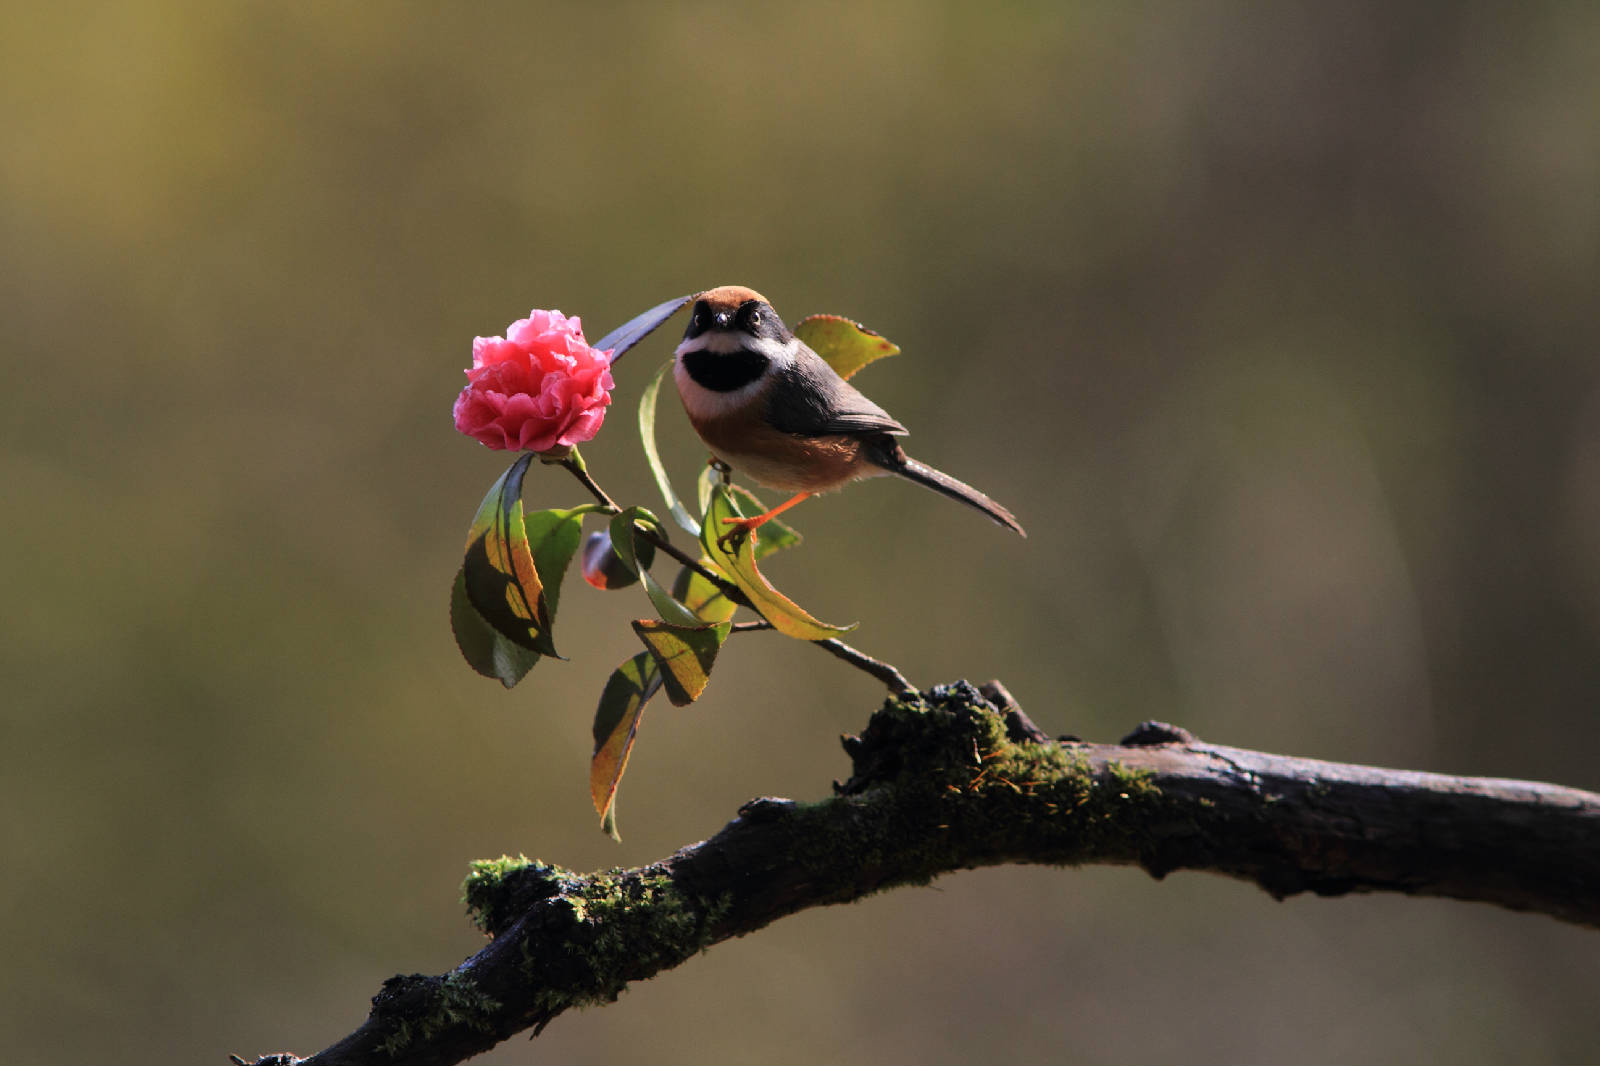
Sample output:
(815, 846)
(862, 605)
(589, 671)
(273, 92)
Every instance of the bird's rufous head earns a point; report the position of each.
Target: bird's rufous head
(730, 310)
(729, 298)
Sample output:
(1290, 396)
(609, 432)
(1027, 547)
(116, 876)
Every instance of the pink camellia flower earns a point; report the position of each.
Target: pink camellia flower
(540, 388)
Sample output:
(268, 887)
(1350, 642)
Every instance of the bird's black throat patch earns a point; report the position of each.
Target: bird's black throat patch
(724, 371)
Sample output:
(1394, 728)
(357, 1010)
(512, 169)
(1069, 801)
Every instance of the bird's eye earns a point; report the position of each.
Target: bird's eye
(755, 319)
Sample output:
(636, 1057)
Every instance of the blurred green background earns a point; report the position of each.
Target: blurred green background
(1274, 323)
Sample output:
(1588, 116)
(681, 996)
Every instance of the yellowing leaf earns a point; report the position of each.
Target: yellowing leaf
(847, 346)
(500, 578)
(707, 600)
(739, 565)
(684, 655)
(776, 534)
(616, 724)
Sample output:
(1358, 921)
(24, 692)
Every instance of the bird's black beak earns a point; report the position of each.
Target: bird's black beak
(722, 318)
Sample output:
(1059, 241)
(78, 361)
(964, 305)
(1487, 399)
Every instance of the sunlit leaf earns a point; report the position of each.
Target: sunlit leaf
(639, 327)
(847, 346)
(685, 655)
(486, 651)
(705, 598)
(647, 436)
(501, 579)
(616, 724)
(511, 577)
(740, 567)
(776, 534)
(623, 541)
(709, 475)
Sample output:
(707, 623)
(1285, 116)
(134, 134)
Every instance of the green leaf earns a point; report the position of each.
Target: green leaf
(554, 536)
(639, 327)
(647, 435)
(501, 579)
(616, 724)
(622, 541)
(847, 346)
(708, 477)
(740, 567)
(684, 655)
(486, 651)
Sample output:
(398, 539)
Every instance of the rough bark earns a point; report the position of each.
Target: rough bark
(962, 779)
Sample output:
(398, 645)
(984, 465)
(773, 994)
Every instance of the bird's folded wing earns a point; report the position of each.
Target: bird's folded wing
(813, 401)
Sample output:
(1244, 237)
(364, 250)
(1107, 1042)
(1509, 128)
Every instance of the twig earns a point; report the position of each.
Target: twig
(878, 669)
(581, 472)
(861, 661)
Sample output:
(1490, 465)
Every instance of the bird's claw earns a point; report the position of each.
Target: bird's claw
(732, 540)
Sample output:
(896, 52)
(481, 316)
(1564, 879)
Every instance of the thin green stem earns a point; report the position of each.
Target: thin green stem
(581, 472)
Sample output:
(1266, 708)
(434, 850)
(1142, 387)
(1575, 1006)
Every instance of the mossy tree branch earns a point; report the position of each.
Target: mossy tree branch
(961, 779)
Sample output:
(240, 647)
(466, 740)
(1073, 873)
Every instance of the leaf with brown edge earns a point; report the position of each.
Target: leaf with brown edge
(616, 724)
(684, 655)
(739, 565)
(845, 345)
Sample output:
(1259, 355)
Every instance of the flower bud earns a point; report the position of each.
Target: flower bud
(602, 567)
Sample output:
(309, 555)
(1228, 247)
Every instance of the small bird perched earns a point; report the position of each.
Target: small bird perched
(768, 405)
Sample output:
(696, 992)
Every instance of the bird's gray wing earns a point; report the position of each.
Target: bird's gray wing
(811, 400)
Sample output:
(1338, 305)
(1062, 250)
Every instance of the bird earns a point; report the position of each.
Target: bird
(768, 405)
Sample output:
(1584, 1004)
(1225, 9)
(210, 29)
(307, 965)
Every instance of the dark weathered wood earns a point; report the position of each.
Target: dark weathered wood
(1301, 825)
(959, 781)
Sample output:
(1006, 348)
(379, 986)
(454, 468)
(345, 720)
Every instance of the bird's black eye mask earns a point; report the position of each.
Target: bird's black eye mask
(759, 320)
(699, 320)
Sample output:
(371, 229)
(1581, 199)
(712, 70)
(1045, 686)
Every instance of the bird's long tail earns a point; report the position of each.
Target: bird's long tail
(889, 455)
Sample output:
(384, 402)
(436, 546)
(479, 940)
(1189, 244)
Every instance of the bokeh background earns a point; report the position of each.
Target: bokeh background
(1275, 324)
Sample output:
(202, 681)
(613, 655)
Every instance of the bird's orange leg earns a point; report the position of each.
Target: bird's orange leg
(743, 526)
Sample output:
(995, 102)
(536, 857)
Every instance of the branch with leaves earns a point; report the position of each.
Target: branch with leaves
(961, 779)
(542, 389)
